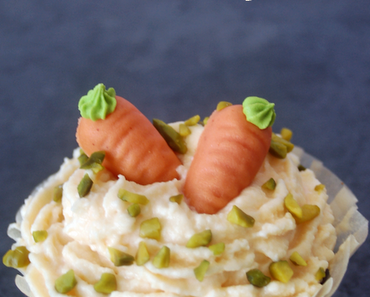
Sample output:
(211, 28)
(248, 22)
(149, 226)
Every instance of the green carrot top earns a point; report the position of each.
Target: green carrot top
(98, 103)
(259, 112)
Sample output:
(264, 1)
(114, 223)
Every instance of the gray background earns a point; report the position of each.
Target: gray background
(174, 59)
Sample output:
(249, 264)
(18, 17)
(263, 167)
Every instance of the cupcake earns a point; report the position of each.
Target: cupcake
(218, 207)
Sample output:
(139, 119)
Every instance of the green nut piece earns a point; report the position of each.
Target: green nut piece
(107, 284)
(320, 274)
(58, 193)
(184, 130)
(162, 258)
(217, 248)
(82, 158)
(16, 258)
(281, 271)
(66, 282)
(199, 239)
(326, 277)
(286, 134)
(39, 236)
(84, 186)
(257, 278)
(238, 217)
(269, 185)
(201, 270)
(319, 188)
(150, 229)
(288, 144)
(192, 121)
(279, 147)
(120, 258)
(132, 197)
(94, 162)
(173, 139)
(301, 167)
(142, 255)
(222, 104)
(292, 206)
(177, 198)
(134, 210)
(205, 120)
(297, 259)
(309, 212)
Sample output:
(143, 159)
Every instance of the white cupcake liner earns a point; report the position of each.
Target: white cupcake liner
(351, 226)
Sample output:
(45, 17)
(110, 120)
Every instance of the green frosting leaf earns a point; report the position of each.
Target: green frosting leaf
(259, 112)
(98, 103)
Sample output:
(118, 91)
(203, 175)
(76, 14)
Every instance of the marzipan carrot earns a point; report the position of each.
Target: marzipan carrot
(133, 147)
(230, 152)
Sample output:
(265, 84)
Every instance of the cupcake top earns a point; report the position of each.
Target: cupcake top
(89, 230)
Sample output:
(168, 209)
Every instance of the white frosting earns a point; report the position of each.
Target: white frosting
(81, 229)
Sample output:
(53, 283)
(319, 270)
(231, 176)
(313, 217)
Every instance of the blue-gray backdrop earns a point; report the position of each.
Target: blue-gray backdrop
(174, 59)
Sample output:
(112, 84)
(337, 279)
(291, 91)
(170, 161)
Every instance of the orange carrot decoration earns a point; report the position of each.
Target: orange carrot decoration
(133, 147)
(230, 152)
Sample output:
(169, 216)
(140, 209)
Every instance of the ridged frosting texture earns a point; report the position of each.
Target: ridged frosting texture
(259, 111)
(98, 103)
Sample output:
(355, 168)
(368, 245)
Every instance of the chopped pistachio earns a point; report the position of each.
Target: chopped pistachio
(94, 162)
(301, 167)
(239, 217)
(319, 188)
(177, 198)
(97, 157)
(201, 270)
(278, 150)
(132, 197)
(297, 259)
(39, 236)
(222, 104)
(82, 158)
(281, 271)
(199, 239)
(286, 134)
(217, 248)
(192, 121)
(257, 278)
(327, 276)
(320, 274)
(184, 130)
(279, 147)
(173, 138)
(205, 120)
(107, 283)
(58, 193)
(288, 144)
(134, 210)
(66, 282)
(150, 229)
(292, 206)
(16, 258)
(270, 184)
(120, 258)
(84, 186)
(142, 255)
(162, 258)
(309, 212)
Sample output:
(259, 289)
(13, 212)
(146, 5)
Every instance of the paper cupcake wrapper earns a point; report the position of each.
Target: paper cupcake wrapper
(351, 226)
